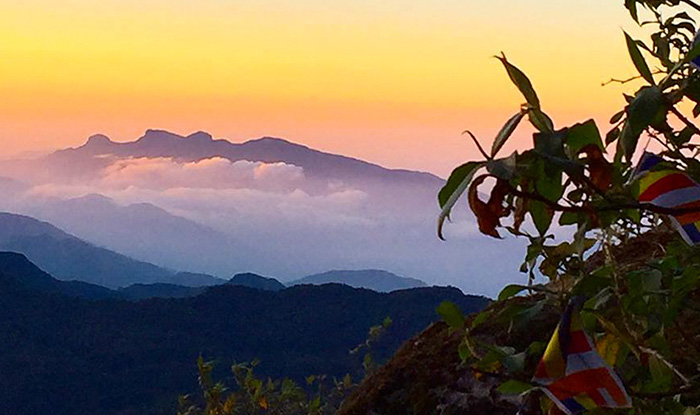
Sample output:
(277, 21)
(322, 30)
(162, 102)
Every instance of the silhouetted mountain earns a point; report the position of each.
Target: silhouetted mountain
(69, 258)
(64, 355)
(373, 279)
(251, 280)
(20, 273)
(146, 291)
(201, 145)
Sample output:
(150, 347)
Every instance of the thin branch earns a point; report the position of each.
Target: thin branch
(624, 81)
(648, 207)
(692, 4)
(481, 149)
(620, 81)
(553, 205)
(685, 120)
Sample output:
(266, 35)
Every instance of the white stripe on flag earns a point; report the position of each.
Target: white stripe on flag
(583, 361)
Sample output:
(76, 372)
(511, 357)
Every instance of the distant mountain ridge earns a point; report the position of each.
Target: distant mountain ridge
(70, 258)
(145, 232)
(201, 145)
(251, 280)
(116, 357)
(373, 279)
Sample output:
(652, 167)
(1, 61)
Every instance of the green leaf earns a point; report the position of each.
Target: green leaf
(515, 387)
(521, 81)
(451, 314)
(511, 290)
(503, 168)
(540, 120)
(568, 218)
(456, 184)
(638, 59)
(505, 132)
(647, 105)
(549, 181)
(631, 6)
(612, 135)
(640, 282)
(582, 135)
(464, 352)
(550, 144)
(661, 375)
(617, 117)
(480, 319)
(541, 215)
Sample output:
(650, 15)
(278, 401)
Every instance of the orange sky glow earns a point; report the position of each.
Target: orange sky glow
(392, 82)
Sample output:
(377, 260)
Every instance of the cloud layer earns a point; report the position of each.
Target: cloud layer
(274, 224)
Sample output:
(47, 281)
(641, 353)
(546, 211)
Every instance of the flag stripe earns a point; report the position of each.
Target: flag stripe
(583, 361)
(579, 343)
(669, 182)
(649, 178)
(692, 232)
(689, 217)
(574, 375)
(648, 161)
(677, 197)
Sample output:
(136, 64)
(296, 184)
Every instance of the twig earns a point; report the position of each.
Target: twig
(481, 149)
(648, 207)
(692, 4)
(620, 81)
(685, 120)
(624, 81)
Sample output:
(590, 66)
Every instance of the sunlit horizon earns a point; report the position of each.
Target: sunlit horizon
(392, 83)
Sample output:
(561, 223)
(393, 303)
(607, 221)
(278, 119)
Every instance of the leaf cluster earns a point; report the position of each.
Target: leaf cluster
(640, 304)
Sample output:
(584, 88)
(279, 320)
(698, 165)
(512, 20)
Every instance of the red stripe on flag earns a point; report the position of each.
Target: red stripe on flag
(541, 371)
(586, 380)
(689, 217)
(597, 397)
(666, 184)
(578, 343)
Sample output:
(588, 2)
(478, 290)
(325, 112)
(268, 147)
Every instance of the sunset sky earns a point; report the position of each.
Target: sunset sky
(393, 82)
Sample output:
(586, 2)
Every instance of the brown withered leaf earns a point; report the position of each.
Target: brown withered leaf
(520, 212)
(488, 214)
(600, 170)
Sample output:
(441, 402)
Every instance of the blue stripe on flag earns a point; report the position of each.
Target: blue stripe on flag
(573, 406)
(678, 197)
(648, 161)
(692, 232)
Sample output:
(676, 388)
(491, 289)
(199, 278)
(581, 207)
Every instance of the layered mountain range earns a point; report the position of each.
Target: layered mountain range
(266, 206)
(70, 349)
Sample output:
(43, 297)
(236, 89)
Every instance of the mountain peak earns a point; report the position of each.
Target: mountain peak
(249, 279)
(155, 134)
(373, 279)
(200, 136)
(274, 141)
(98, 140)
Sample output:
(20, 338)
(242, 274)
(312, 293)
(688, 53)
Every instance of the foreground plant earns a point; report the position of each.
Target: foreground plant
(642, 307)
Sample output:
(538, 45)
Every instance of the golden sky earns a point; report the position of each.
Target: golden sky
(394, 82)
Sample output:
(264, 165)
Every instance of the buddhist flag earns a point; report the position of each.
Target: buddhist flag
(670, 188)
(695, 62)
(572, 373)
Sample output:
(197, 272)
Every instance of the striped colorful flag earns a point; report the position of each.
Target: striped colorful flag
(572, 373)
(695, 62)
(670, 188)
